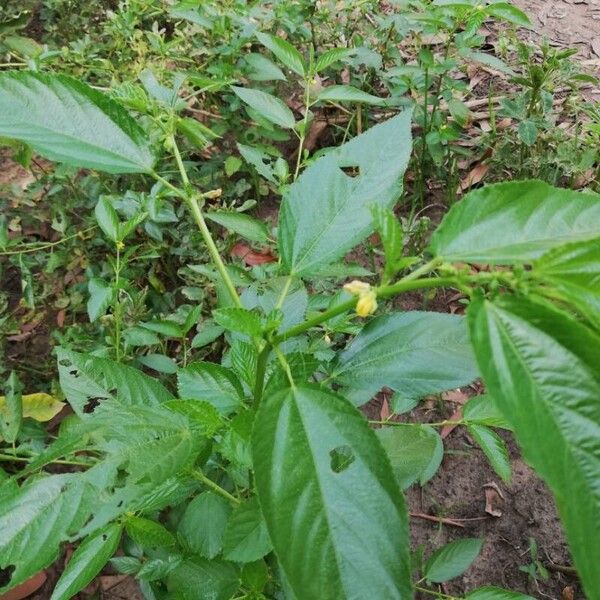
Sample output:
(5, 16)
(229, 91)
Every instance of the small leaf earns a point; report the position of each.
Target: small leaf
(165, 327)
(202, 414)
(528, 132)
(452, 560)
(330, 57)
(459, 111)
(494, 448)
(195, 132)
(508, 12)
(101, 294)
(348, 93)
(208, 333)
(246, 226)
(495, 593)
(67, 121)
(284, 51)
(158, 362)
(483, 410)
(246, 537)
(11, 410)
(202, 579)
(87, 561)
(271, 108)
(202, 526)
(390, 232)
(147, 533)
(257, 159)
(262, 68)
(107, 218)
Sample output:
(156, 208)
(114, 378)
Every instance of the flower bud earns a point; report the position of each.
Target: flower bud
(367, 304)
(357, 288)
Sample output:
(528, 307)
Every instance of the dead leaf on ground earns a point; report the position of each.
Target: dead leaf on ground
(568, 593)
(252, 257)
(494, 499)
(475, 176)
(26, 589)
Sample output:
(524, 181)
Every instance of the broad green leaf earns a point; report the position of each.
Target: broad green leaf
(101, 294)
(246, 537)
(573, 272)
(158, 568)
(201, 579)
(246, 226)
(483, 410)
(494, 448)
(39, 407)
(508, 12)
(543, 370)
(348, 93)
(330, 57)
(208, 332)
(35, 521)
(262, 68)
(87, 380)
(148, 533)
(459, 111)
(165, 327)
(515, 222)
(415, 452)
(189, 10)
(202, 526)
(87, 561)
(415, 353)
(271, 108)
(495, 593)
(11, 409)
(338, 527)
(128, 565)
(452, 560)
(67, 121)
(158, 362)
(326, 212)
(212, 383)
(489, 60)
(238, 319)
(202, 414)
(284, 51)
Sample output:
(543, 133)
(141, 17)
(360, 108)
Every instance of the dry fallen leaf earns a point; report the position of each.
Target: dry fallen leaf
(252, 257)
(477, 173)
(494, 498)
(26, 589)
(568, 593)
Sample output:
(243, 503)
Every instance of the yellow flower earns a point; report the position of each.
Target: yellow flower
(120, 246)
(367, 304)
(357, 288)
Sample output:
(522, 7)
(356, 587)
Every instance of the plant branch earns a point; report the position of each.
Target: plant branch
(198, 475)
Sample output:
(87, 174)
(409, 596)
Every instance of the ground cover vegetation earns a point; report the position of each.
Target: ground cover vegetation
(224, 204)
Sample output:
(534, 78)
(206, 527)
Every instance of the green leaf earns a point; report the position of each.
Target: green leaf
(515, 222)
(201, 579)
(202, 414)
(483, 410)
(238, 319)
(86, 380)
(452, 560)
(543, 369)
(67, 121)
(262, 68)
(34, 522)
(195, 132)
(158, 362)
(101, 294)
(189, 10)
(246, 537)
(87, 561)
(246, 226)
(494, 448)
(508, 12)
(11, 410)
(573, 270)
(202, 526)
(212, 383)
(459, 111)
(495, 593)
(415, 353)
(390, 232)
(165, 327)
(489, 60)
(271, 108)
(348, 93)
(325, 523)
(528, 132)
(207, 334)
(107, 218)
(326, 212)
(415, 452)
(257, 159)
(284, 51)
(148, 533)
(330, 57)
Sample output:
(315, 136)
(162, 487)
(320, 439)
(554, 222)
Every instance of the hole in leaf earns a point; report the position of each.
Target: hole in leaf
(6, 574)
(104, 537)
(352, 171)
(341, 458)
(90, 405)
(65, 362)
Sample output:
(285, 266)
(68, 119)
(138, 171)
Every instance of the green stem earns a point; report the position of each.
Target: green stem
(15, 458)
(32, 248)
(436, 594)
(117, 309)
(200, 476)
(261, 369)
(284, 292)
(305, 121)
